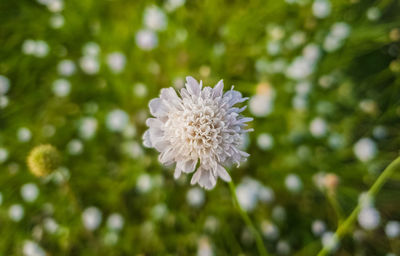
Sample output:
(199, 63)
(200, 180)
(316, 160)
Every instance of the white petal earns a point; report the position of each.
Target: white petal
(192, 86)
(171, 98)
(223, 174)
(166, 156)
(157, 108)
(217, 90)
(154, 123)
(146, 139)
(177, 173)
(196, 177)
(186, 166)
(162, 145)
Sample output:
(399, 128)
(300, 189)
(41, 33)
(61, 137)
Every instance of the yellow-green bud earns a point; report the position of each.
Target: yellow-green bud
(43, 160)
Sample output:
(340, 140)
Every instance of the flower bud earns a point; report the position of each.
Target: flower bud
(43, 160)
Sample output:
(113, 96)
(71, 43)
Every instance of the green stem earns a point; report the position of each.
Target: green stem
(348, 223)
(335, 205)
(259, 242)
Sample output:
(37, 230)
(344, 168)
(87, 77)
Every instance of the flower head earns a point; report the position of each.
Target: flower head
(199, 126)
(43, 160)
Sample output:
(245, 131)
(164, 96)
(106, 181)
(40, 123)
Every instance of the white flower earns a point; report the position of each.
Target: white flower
(31, 248)
(200, 126)
(392, 229)
(365, 149)
(29, 192)
(146, 39)
(4, 84)
(154, 18)
(61, 87)
(116, 62)
(91, 218)
(369, 218)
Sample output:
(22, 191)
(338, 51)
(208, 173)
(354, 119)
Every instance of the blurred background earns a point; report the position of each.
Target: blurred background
(324, 88)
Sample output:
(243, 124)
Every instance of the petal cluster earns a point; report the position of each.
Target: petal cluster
(201, 128)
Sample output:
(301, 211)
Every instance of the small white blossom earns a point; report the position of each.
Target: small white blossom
(154, 18)
(321, 8)
(117, 120)
(146, 39)
(66, 68)
(318, 127)
(365, 149)
(61, 87)
(200, 126)
(29, 192)
(195, 197)
(265, 141)
(4, 84)
(392, 229)
(91, 218)
(31, 248)
(16, 212)
(293, 183)
(369, 218)
(115, 221)
(24, 134)
(318, 227)
(3, 155)
(116, 62)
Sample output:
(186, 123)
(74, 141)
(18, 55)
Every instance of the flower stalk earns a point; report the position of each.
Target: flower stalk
(372, 192)
(243, 214)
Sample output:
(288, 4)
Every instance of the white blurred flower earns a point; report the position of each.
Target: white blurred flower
(132, 149)
(159, 211)
(31, 248)
(369, 218)
(75, 147)
(392, 229)
(293, 183)
(41, 49)
(273, 48)
(117, 120)
(91, 218)
(300, 68)
(340, 30)
(204, 247)
(115, 221)
(312, 52)
(249, 192)
(195, 197)
(261, 105)
(144, 183)
(116, 62)
(283, 247)
(146, 39)
(330, 241)
(365, 149)
(3, 155)
(318, 227)
(91, 49)
(89, 64)
(61, 87)
(3, 101)
(1, 198)
(66, 68)
(140, 90)
(154, 18)
(4, 85)
(55, 5)
(265, 141)
(172, 5)
(87, 127)
(202, 125)
(50, 225)
(269, 230)
(57, 21)
(321, 8)
(16, 212)
(29, 192)
(318, 127)
(373, 13)
(24, 134)
(28, 47)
